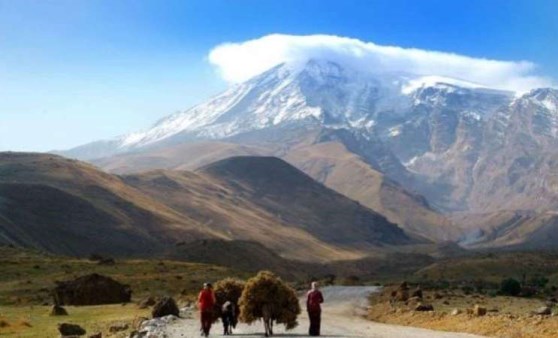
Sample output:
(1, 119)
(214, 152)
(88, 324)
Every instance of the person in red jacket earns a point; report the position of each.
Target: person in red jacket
(206, 302)
(313, 306)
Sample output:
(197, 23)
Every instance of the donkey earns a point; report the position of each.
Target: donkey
(229, 317)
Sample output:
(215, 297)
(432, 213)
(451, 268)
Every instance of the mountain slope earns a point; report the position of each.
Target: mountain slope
(330, 163)
(69, 207)
(65, 206)
(343, 171)
(331, 216)
(225, 210)
(464, 147)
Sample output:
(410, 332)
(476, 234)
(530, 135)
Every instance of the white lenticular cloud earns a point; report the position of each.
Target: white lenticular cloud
(237, 62)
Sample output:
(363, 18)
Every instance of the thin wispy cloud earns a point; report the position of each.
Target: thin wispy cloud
(237, 62)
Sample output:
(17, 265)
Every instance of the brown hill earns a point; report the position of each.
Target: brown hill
(518, 229)
(330, 163)
(227, 213)
(333, 165)
(280, 188)
(69, 207)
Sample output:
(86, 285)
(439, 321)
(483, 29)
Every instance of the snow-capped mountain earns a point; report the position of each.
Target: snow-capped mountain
(317, 91)
(432, 134)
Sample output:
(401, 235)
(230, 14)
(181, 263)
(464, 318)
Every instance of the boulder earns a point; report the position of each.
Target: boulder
(147, 302)
(402, 292)
(91, 289)
(58, 310)
(413, 301)
(479, 311)
(118, 328)
(164, 307)
(424, 307)
(66, 329)
(136, 324)
(543, 310)
(96, 335)
(455, 312)
(417, 293)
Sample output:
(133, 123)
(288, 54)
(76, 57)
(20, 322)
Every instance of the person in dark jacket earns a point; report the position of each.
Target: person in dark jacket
(314, 300)
(206, 302)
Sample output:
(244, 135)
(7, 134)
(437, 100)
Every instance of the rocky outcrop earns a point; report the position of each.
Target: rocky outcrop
(164, 307)
(92, 289)
(424, 307)
(66, 329)
(58, 310)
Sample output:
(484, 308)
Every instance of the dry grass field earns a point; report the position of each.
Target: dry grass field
(508, 317)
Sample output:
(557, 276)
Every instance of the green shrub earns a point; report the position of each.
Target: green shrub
(510, 287)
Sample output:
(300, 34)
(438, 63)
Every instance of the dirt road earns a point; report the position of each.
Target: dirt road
(341, 317)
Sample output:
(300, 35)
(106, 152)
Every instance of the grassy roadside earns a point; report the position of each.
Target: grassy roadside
(34, 321)
(28, 276)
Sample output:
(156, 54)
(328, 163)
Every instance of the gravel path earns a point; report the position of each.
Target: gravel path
(341, 317)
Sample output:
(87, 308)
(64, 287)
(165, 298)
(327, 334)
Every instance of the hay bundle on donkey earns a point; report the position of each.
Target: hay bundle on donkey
(267, 297)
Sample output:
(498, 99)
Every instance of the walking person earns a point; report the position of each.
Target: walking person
(314, 300)
(206, 303)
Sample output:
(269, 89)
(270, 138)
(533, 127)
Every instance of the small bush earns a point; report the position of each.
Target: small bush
(539, 281)
(492, 293)
(467, 289)
(510, 287)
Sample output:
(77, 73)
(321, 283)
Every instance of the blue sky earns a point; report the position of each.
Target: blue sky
(77, 71)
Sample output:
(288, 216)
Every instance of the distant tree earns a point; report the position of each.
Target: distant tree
(510, 287)
(267, 297)
(228, 289)
(539, 281)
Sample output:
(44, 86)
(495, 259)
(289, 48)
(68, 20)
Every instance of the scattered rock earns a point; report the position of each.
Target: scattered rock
(445, 302)
(424, 307)
(402, 293)
(455, 312)
(479, 311)
(136, 324)
(91, 289)
(96, 335)
(543, 310)
(164, 307)
(147, 302)
(58, 310)
(4, 323)
(154, 327)
(66, 329)
(417, 293)
(438, 296)
(119, 327)
(413, 301)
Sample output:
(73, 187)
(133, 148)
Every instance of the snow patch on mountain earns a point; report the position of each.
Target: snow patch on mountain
(436, 81)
